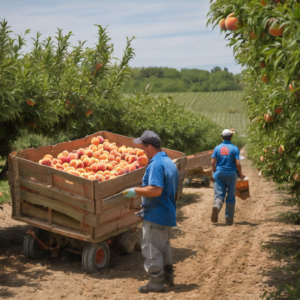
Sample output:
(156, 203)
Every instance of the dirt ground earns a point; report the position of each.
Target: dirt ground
(212, 261)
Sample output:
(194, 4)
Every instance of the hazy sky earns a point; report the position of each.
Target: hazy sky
(169, 33)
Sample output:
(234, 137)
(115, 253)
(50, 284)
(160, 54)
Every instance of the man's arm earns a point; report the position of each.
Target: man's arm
(149, 191)
(213, 164)
(239, 168)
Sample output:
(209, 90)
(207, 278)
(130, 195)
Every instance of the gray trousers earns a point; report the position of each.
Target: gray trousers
(156, 249)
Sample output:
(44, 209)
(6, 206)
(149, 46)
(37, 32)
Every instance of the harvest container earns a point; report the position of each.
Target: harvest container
(82, 211)
(242, 189)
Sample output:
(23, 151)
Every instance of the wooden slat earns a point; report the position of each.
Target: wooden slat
(58, 194)
(16, 187)
(77, 214)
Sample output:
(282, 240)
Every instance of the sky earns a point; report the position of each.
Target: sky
(170, 33)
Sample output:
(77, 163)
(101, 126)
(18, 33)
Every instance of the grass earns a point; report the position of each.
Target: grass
(225, 108)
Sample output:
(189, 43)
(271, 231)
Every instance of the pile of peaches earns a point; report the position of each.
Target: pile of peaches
(100, 161)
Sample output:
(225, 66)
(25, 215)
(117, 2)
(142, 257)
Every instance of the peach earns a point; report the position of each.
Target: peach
(135, 151)
(136, 163)
(100, 172)
(233, 23)
(115, 173)
(112, 147)
(60, 155)
(140, 153)
(118, 155)
(127, 157)
(95, 141)
(100, 147)
(87, 162)
(106, 140)
(121, 149)
(113, 152)
(92, 177)
(94, 149)
(97, 176)
(65, 165)
(109, 167)
(103, 156)
(143, 161)
(105, 161)
(124, 156)
(101, 166)
(80, 164)
(72, 156)
(107, 177)
(130, 151)
(222, 24)
(111, 157)
(105, 152)
(65, 153)
(64, 159)
(80, 152)
(121, 173)
(100, 138)
(126, 169)
(94, 160)
(118, 168)
(91, 146)
(74, 163)
(74, 173)
(46, 162)
(125, 151)
(85, 175)
(101, 178)
(89, 152)
(113, 163)
(94, 167)
(106, 172)
(106, 146)
(81, 170)
(48, 156)
(83, 157)
(132, 159)
(59, 167)
(96, 154)
(88, 170)
(113, 177)
(69, 169)
(140, 167)
(118, 159)
(56, 161)
(132, 168)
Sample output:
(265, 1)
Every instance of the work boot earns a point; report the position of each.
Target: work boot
(216, 210)
(169, 275)
(229, 221)
(155, 284)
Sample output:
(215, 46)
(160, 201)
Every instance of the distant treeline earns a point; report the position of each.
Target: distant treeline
(185, 80)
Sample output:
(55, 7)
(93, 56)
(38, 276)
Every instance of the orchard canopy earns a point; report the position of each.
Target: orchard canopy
(265, 36)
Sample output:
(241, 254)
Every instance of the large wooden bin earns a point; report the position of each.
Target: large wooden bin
(202, 159)
(73, 206)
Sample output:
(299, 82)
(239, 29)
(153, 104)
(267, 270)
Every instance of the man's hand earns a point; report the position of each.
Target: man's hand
(242, 176)
(130, 193)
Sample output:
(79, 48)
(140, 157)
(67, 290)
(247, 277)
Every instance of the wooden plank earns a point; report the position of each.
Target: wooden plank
(16, 187)
(50, 217)
(58, 194)
(72, 212)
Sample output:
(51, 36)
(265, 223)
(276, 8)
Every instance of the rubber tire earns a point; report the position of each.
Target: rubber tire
(31, 247)
(88, 257)
(128, 241)
(206, 181)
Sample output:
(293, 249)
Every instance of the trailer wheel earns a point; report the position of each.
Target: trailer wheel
(206, 181)
(95, 257)
(128, 242)
(31, 246)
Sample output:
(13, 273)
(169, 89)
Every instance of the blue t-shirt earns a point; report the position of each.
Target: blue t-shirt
(226, 154)
(161, 172)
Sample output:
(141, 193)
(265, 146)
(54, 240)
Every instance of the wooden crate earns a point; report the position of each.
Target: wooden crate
(74, 206)
(202, 159)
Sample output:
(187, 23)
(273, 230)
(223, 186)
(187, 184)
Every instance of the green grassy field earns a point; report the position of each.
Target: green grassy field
(225, 108)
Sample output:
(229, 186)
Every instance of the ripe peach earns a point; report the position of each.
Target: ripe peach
(297, 177)
(127, 157)
(96, 154)
(124, 156)
(261, 158)
(74, 173)
(101, 178)
(136, 150)
(130, 151)
(118, 159)
(125, 151)
(115, 173)
(103, 156)
(278, 110)
(92, 177)
(121, 173)
(80, 152)
(118, 155)
(140, 167)
(268, 118)
(113, 177)
(109, 167)
(59, 167)
(48, 156)
(94, 149)
(94, 160)
(106, 172)
(56, 161)
(65, 153)
(88, 170)
(65, 165)
(265, 78)
(80, 164)
(89, 112)
(101, 167)
(118, 168)
(83, 157)
(100, 146)
(107, 177)
(222, 24)
(85, 175)
(94, 167)
(253, 35)
(30, 102)
(106, 140)
(132, 159)
(89, 152)
(106, 146)
(87, 162)
(100, 172)
(72, 156)
(113, 152)
(120, 149)
(275, 29)
(140, 153)
(262, 65)
(64, 159)
(95, 141)
(111, 157)
(97, 176)
(132, 168)
(113, 147)
(74, 163)
(100, 138)
(143, 161)
(81, 170)
(60, 155)
(281, 149)
(69, 169)
(113, 163)
(105, 152)
(232, 23)
(126, 169)
(46, 162)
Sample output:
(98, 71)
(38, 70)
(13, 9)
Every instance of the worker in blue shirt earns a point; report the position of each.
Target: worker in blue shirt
(226, 167)
(160, 183)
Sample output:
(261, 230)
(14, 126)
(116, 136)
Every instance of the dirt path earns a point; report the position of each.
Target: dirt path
(211, 261)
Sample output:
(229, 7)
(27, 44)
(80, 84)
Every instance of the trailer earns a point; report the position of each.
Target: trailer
(84, 216)
(198, 169)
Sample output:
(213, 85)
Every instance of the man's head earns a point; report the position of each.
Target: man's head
(151, 143)
(226, 135)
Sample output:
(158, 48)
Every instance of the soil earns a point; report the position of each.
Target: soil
(212, 261)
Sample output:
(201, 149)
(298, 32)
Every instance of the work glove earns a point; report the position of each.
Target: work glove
(130, 193)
